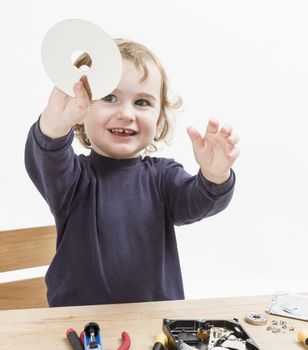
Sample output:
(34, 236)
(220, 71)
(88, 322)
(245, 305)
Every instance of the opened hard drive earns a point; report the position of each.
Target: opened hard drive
(207, 335)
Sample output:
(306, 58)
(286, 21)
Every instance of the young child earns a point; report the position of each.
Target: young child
(115, 210)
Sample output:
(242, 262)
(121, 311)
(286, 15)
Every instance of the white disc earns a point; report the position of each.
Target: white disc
(71, 35)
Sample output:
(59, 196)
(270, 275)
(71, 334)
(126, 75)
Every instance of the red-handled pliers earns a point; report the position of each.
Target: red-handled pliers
(125, 342)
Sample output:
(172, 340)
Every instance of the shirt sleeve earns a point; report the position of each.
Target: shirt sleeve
(192, 198)
(55, 169)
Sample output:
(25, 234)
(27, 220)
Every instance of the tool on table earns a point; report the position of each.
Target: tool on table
(125, 341)
(161, 342)
(74, 339)
(256, 318)
(302, 336)
(91, 336)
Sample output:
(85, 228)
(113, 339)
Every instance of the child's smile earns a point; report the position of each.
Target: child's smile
(122, 132)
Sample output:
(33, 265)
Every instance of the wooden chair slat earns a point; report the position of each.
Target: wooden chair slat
(23, 294)
(29, 247)
(22, 249)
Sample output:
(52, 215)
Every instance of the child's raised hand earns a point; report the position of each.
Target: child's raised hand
(216, 151)
(63, 111)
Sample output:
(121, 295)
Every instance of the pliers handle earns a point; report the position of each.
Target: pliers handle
(125, 342)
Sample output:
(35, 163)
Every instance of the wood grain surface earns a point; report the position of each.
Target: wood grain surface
(39, 329)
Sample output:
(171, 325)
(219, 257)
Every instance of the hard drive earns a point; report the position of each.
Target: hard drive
(207, 335)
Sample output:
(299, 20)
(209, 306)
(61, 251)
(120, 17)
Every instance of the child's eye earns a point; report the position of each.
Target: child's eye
(142, 103)
(109, 98)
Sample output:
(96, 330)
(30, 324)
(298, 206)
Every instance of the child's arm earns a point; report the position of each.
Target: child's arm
(215, 152)
(50, 161)
(63, 112)
(192, 198)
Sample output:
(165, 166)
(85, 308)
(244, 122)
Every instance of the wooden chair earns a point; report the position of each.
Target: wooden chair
(21, 249)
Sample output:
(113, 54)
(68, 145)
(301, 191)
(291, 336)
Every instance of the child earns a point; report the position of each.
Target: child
(115, 210)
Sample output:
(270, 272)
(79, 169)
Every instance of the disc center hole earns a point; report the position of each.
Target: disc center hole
(81, 60)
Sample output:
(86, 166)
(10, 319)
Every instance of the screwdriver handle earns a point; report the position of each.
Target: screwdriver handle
(160, 342)
(158, 346)
(74, 339)
(302, 336)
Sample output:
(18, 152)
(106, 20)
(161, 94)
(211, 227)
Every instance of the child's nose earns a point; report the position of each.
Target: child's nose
(126, 112)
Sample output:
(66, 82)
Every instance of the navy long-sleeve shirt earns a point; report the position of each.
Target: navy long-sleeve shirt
(115, 221)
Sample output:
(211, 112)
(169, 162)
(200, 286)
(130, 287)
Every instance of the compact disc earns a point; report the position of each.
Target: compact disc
(76, 35)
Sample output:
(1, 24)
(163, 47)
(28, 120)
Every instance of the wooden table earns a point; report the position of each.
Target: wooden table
(44, 329)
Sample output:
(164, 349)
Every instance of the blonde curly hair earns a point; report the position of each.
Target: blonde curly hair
(139, 55)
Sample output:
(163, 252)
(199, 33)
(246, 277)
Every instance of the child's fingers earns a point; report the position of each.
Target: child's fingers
(226, 130)
(82, 99)
(230, 143)
(195, 137)
(85, 82)
(233, 139)
(79, 90)
(233, 154)
(212, 126)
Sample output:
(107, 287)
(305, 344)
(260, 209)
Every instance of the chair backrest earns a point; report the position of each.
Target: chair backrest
(22, 249)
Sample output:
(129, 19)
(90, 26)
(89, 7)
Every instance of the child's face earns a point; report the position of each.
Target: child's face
(123, 123)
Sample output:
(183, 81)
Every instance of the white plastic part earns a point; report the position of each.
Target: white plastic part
(71, 35)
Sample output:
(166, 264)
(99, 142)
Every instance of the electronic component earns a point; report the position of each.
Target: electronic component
(207, 335)
(256, 318)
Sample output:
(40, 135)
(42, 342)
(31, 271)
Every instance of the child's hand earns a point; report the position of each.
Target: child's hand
(216, 151)
(63, 111)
